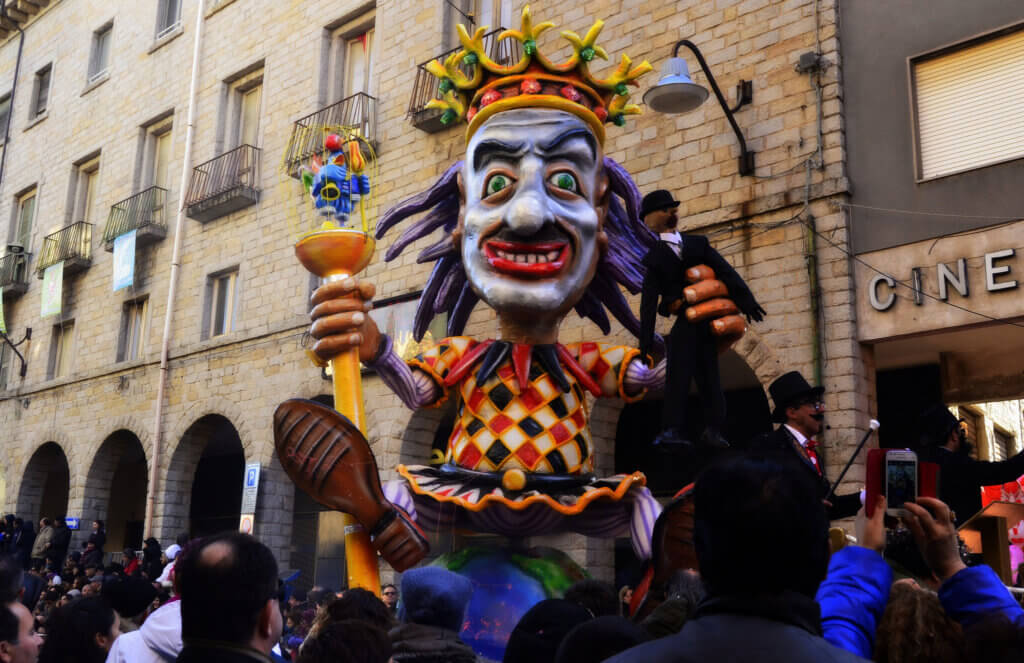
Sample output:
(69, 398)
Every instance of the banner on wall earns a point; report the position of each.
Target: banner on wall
(124, 261)
(53, 283)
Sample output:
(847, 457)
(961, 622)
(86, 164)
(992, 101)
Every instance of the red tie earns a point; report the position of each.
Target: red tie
(811, 448)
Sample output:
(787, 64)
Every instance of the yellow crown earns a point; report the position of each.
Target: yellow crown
(534, 81)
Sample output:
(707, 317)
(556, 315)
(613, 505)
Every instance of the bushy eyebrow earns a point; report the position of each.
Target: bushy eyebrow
(572, 134)
(492, 149)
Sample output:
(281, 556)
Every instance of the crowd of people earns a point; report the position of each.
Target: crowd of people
(768, 588)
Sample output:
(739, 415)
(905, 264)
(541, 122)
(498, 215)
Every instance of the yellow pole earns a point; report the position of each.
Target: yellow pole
(335, 254)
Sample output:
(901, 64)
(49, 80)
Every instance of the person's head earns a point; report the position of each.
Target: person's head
(19, 642)
(58, 522)
(535, 639)
(44, 522)
(798, 404)
(19, 524)
(228, 587)
(82, 630)
(659, 211)
(598, 598)
(599, 639)
(389, 594)
(744, 499)
(172, 552)
(351, 640)
(914, 627)
(433, 596)
(361, 604)
(92, 589)
(298, 597)
(129, 596)
(940, 428)
(128, 555)
(97, 526)
(91, 569)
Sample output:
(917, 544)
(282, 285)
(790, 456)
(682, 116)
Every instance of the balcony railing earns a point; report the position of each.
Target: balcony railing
(14, 274)
(224, 184)
(358, 112)
(72, 244)
(145, 212)
(505, 52)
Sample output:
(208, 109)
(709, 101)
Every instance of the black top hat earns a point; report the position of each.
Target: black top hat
(935, 424)
(787, 389)
(657, 200)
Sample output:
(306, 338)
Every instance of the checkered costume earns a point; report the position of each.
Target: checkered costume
(540, 429)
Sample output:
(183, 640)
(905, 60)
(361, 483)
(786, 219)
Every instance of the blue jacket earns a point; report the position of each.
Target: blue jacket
(853, 597)
(977, 592)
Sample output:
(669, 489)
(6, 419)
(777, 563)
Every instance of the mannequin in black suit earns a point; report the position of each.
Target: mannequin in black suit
(801, 413)
(692, 349)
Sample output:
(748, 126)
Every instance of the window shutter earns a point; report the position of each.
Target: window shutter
(968, 106)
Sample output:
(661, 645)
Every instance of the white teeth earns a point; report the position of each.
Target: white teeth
(552, 256)
(531, 258)
(521, 258)
(528, 258)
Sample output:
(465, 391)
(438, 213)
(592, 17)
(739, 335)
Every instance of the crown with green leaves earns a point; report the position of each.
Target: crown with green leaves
(534, 81)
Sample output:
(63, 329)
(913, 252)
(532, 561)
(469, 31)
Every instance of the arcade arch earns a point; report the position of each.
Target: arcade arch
(206, 471)
(115, 490)
(45, 485)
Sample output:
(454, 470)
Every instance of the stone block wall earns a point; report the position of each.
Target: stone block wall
(754, 221)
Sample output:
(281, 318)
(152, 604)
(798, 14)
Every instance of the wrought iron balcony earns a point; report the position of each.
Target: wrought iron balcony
(424, 89)
(72, 244)
(358, 112)
(224, 184)
(14, 274)
(145, 212)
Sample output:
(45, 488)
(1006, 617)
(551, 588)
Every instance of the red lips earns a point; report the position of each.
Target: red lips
(527, 260)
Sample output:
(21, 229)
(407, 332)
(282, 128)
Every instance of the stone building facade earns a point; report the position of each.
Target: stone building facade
(87, 419)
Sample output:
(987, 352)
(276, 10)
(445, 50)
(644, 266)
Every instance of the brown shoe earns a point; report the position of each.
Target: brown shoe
(329, 458)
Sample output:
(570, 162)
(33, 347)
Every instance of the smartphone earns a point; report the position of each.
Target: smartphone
(900, 480)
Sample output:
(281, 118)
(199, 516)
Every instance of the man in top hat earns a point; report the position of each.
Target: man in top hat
(944, 442)
(801, 411)
(692, 347)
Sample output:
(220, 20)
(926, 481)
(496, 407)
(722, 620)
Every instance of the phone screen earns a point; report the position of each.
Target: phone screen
(900, 482)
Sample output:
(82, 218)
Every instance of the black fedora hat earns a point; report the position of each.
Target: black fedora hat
(787, 389)
(657, 200)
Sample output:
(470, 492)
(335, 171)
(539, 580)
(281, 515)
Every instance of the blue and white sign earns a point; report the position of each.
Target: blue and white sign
(250, 488)
(73, 523)
(124, 260)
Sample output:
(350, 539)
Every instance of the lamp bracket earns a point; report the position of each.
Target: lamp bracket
(811, 62)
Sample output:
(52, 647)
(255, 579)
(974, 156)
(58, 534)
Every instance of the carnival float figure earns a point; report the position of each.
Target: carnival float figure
(535, 222)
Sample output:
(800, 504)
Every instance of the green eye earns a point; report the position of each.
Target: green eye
(496, 183)
(565, 181)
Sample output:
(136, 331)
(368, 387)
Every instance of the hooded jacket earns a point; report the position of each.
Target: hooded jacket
(158, 640)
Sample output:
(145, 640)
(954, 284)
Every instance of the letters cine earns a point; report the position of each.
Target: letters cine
(881, 288)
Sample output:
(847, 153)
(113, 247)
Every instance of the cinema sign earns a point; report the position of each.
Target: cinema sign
(881, 289)
(939, 284)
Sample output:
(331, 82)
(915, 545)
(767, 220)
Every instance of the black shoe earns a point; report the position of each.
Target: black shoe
(671, 439)
(712, 439)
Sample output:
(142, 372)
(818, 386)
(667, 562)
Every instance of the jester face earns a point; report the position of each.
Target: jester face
(533, 184)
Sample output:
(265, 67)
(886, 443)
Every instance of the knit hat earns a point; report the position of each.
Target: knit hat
(172, 551)
(433, 596)
(536, 637)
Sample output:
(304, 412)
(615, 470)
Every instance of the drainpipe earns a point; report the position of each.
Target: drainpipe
(172, 290)
(14, 88)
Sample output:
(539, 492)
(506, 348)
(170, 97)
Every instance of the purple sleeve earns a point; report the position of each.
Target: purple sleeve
(639, 377)
(413, 387)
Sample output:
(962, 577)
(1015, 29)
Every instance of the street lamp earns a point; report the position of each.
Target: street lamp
(676, 93)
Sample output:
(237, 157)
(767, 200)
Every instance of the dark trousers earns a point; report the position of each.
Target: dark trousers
(692, 355)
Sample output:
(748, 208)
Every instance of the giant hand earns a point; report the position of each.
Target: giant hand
(340, 320)
(707, 298)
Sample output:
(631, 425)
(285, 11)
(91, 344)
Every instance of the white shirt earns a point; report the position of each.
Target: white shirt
(797, 435)
(674, 240)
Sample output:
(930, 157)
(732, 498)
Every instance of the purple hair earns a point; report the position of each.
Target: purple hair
(448, 290)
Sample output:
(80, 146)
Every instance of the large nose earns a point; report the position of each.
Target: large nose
(529, 210)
